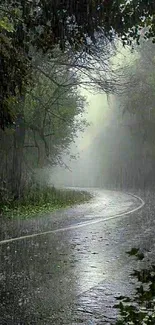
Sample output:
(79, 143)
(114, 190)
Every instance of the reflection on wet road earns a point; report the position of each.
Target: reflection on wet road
(69, 277)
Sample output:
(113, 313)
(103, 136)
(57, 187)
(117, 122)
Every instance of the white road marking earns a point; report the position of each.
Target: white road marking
(80, 225)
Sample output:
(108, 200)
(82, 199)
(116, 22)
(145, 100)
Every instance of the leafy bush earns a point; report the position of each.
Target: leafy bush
(139, 310)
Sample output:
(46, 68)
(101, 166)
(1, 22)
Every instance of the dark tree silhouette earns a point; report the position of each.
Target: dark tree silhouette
(71, 24)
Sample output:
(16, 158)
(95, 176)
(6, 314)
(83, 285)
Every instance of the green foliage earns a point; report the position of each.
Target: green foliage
(6, 25)
(40, 200)
(5, 199)
(14, 71)
(47, 120)
(140, 309)
(52, 112)
(135, 252)
(40, 25)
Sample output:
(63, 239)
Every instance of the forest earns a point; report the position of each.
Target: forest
(50, 49)
(126, 159)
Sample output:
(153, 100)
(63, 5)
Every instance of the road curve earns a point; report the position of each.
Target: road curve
(104, 206)
(66, 268)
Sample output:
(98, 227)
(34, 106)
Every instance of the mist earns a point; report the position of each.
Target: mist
(115, 151)
(87, 169)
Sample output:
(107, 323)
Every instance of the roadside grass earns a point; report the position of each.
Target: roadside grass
(39, 200)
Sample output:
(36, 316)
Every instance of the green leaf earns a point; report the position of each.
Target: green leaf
(6, 25)
(133, 251)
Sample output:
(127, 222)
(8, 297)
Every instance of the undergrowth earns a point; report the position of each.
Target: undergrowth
(139, 309)
(38, 200)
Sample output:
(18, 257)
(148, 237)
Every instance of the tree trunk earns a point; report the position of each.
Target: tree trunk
(18, 146)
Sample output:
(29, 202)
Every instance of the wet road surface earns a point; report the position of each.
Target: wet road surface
(104, 204)
(73, 274)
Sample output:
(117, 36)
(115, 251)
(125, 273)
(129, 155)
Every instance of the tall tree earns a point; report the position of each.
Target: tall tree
(132, 152)
(41, 24)
(47, 120)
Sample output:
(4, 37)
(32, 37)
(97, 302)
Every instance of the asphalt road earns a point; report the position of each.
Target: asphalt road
(67, 267)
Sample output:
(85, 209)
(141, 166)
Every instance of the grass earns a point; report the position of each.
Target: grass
(39, 200)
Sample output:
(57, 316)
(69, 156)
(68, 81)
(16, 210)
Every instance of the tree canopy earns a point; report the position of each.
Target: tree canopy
(72, 25)
(46, 123)
(127, 144)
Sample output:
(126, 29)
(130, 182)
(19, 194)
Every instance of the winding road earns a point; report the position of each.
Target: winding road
(67, 267)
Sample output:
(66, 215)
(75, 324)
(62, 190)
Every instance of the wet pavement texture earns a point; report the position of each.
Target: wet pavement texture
(103, 204)
(72, 276)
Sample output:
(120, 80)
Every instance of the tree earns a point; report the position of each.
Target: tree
(47, 122)
(72, 25)
(132, 155)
